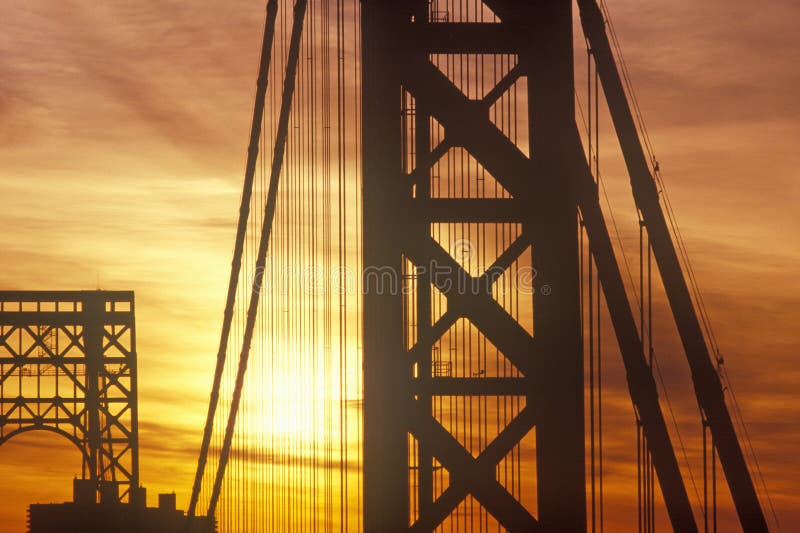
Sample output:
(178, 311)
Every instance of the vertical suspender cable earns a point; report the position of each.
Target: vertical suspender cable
(651, 353)
(599, 369)
(266, 229)
(639, 472)
(713, 485)
(591, 310)
(643, 452)
(244, 212)
(342, 309)
(705, 475)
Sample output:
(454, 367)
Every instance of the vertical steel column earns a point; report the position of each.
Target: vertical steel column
(134, 406)
(422, 148)
(386, 370)
(559, 389)
(93, 326)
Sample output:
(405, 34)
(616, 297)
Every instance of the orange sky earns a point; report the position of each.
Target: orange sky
(123, 130)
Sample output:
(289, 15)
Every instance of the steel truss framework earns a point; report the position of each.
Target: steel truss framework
(548, 182)
(399, 39)
(68, 366)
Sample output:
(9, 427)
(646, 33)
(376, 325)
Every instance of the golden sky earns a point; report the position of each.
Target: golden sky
(123, 131)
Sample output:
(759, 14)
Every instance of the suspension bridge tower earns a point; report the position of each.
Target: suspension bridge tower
(474, 172)
(68, 365)
(481, 302)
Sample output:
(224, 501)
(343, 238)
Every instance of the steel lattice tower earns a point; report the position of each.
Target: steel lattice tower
(546, 376)
(68, 366)
(432, 451)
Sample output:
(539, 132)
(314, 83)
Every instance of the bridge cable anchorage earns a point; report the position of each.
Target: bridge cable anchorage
(280, 143)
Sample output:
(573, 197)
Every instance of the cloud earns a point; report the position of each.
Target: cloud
(122, 143)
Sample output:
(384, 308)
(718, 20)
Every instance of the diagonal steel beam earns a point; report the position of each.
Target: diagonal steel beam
(503, 159)
(469, 475)
(467, 124)
(466, 298)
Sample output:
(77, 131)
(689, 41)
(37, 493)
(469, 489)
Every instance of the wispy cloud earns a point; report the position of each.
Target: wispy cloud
(122, 142)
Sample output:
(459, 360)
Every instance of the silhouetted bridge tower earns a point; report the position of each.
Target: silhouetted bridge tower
(548, 182)
(486, 263)
(68, 366)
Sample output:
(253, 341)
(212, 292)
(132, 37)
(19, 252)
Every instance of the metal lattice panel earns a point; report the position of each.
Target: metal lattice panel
(473, 399)
(68, 365)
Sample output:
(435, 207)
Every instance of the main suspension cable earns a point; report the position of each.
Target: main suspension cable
(241, 230)
(699, 301)
(280, 143)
